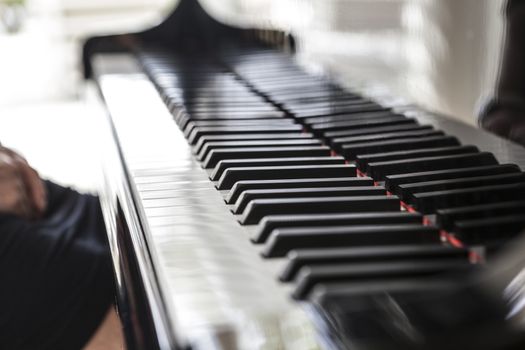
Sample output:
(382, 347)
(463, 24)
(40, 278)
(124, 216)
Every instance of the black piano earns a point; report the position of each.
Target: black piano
(251, 204)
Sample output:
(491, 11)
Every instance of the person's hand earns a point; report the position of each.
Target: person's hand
(22, 192)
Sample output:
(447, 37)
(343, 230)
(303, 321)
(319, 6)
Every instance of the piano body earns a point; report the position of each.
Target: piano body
(253, 205)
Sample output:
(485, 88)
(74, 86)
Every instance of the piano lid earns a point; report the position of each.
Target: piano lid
(188, 29)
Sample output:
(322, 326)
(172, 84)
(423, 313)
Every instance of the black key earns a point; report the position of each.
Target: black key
(216, 156)
(378, 170)
(269, 223)
(445, 218)
(199, 108)
(241, 186)
(228, 103)
(182, 118)
(489, 229)
(361, 123)
(429, 202)
(337, 135)
(337, 107)
(240, 163)
(363, 160)
(255, 144)
(353, 150)
(287, 97)
(386, 136)
(298, 94)
(194, 124)
(348, 298)
(392, 181)
(232, 175)
(196, 134)
(336, 256)
(251, 137)
(250, 195)
(354, 273)
(258, 209)
(228, 114)
(404, 191)
(372, 107)
(306, 100)
(315, 105)
(282, 241)
(346, 117)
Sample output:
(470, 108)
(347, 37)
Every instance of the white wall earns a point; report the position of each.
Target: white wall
(442, 54)
(41, 63)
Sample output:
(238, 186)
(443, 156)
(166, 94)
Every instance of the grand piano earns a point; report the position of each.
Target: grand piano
(251, 204)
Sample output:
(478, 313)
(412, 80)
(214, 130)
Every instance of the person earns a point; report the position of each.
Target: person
(56, 277)
(504, 115)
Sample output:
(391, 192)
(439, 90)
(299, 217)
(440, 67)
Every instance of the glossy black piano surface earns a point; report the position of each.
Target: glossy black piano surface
(320, 217)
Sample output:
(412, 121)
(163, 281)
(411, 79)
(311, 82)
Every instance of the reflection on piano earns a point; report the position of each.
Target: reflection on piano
(252, 205)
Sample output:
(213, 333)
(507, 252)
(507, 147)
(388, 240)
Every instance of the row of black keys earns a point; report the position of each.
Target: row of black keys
(266, 182)
(311, 175)
(426, 168)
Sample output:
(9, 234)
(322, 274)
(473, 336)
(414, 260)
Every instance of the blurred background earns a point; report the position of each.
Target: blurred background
(441, 54)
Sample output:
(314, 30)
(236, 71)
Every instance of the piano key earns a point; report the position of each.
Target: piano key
(285, 82)
(372, 107)
(302, 95)
(258, 209)
(385, 136)
(405, 190)
(429, 202)
(335, 136)
(269, 223)
(318, 96)
(255, 144)
(207, 102)
(284, 240)
(241, 186)
(445, 218)
(363, 159)
(335, 256)
(196, 134)
(313, 105)
(361, 123)
(333, 108)
(228, 114)
(250, 195)
(238, 163)
(353, 150)
(232, 175)
(378, 170)
(392, 181)
(215, 156)
(306, 99)
(309, 276)
(346, 117)
(283, 85)
(190, 126)
(182, 118)
(344, 297)
(251, 137)
(484, 230)
(199, 108)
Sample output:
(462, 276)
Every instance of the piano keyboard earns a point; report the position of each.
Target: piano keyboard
(290, 194)
(286, 141)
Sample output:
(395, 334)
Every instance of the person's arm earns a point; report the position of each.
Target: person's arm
(504, 115)
(22, 192)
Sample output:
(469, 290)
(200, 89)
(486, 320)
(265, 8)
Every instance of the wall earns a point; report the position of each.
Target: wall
(442, 54)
